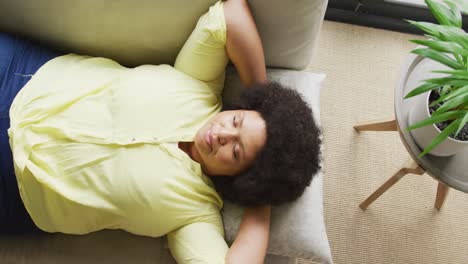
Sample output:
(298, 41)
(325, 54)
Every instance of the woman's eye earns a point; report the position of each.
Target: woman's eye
(234, 121)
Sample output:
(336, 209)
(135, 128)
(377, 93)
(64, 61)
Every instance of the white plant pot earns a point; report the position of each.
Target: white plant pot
(425, 135)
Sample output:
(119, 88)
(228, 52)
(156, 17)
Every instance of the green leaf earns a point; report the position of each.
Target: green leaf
(430, 28)
(439, 57)
(464, 120)
(446, 89)
(454, 34)
(457, 92)
(452, 104)
(441, 137)
(455, 12)
(462, 4)
(443, 46)
(422, 89)
(435, 119)
(444, 15)
(454, 81)
(443, 33)
(458, 73)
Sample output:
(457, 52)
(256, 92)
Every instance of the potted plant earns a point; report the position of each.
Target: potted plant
(439, 118)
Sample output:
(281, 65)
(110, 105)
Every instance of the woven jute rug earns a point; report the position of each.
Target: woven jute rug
(362, 66)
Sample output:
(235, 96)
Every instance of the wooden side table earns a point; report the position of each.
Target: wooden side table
(448, 171)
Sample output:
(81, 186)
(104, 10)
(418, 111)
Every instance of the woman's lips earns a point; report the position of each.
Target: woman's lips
(208, 139)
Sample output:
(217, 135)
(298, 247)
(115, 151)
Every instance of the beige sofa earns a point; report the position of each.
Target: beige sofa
(152, 32)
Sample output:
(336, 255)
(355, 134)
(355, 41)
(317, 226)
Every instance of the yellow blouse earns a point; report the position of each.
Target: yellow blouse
(95, 145)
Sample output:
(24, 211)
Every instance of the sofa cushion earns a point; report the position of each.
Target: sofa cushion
(297, 228)
(153, 32)
(289, 30)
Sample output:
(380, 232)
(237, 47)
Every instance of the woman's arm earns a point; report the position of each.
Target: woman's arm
(243, 43)
(251, 242)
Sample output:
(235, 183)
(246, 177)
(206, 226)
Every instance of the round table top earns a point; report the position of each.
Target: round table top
(452, 170)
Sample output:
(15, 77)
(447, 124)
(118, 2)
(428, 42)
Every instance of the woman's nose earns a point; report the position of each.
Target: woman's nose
(226, 135)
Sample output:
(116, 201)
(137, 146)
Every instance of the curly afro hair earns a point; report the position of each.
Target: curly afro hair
(291, 156)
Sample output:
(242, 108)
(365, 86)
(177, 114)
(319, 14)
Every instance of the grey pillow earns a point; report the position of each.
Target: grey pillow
(298, 228)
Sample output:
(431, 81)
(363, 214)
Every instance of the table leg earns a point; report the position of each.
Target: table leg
(410, 166)
(378, 125)
(442, 191)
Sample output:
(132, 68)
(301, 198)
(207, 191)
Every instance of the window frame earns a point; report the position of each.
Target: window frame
(384, 14)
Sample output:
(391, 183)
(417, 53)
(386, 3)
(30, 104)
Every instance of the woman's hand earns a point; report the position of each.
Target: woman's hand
(251, 242)
(243, 43)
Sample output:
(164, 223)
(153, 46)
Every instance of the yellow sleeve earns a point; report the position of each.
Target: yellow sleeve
(201, 243)
(204, 55)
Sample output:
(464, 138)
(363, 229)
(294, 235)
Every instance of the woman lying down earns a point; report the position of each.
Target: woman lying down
(87, 144)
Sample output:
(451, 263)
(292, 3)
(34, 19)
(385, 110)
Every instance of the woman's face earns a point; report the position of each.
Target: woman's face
(229, 142)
